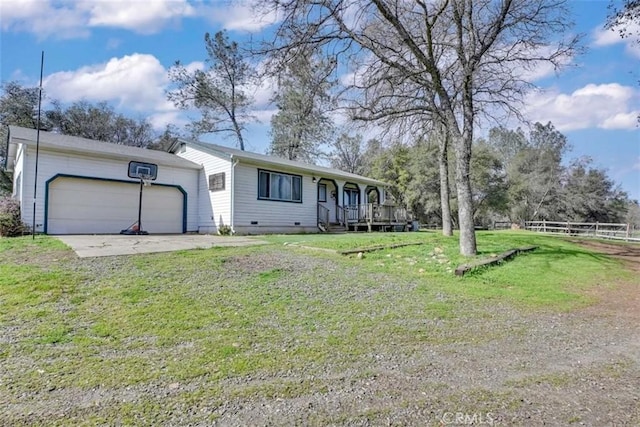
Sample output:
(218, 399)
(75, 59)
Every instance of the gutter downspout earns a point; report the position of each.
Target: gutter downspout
(234, 162)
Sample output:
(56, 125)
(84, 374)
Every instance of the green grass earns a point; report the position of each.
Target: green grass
(210, 315)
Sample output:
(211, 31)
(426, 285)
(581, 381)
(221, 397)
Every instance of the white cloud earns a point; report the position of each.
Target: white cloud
(605, 106)
(43, 18)
(160, 120)
(247, 15)
(621, 121)
(145, 17)
(606, 37)
(69, 19)
(135, 82)
(264, 115)
(636, 165)
(193, 66)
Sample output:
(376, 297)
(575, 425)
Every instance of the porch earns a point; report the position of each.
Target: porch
(364, 217)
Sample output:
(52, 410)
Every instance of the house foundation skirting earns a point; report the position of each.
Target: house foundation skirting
(274, 229)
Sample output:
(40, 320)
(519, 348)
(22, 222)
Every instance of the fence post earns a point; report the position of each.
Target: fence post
(596, 228)
(544, 225)
(628, 232)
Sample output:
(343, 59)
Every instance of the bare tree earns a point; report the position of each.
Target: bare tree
(451, 59)
(348, 154)
(443, 165)
(218, 92)
(625, 20)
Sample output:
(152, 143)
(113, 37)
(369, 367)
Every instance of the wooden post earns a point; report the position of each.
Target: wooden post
(596, 228)
(544, 225)
(628, 234)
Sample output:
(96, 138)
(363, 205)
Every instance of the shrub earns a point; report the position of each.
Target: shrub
(10, 223)
(224, 230)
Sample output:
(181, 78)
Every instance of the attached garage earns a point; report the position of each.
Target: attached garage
(84, 205)
(82, 186)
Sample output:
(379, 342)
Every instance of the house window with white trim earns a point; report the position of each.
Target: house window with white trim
(279, 186)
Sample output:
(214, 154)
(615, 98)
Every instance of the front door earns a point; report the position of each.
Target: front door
(351, 203)
(327, 198)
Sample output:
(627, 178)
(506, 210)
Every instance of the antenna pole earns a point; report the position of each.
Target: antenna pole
(35, 180)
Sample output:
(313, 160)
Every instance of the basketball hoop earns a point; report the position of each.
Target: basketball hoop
(146, 179)
(145, 172)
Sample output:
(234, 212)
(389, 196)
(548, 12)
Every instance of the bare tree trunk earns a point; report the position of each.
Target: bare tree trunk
(447, 229)
(463, 186)
(238, 130)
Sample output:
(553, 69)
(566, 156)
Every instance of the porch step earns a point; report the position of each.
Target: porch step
(332, 228)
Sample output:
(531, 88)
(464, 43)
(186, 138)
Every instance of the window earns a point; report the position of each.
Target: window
(351, 194)
(216, 182)
(279, 186)
(322, 192)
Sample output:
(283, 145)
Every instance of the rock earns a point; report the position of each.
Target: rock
(360, 255)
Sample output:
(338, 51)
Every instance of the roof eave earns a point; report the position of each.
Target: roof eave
(11, 153)
(250, 159)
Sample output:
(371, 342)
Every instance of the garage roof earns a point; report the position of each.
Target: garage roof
(278, 162)
(74, 144)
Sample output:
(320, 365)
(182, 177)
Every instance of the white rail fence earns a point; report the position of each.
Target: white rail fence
(585, 229)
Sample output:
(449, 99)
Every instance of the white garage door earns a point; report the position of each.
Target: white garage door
(88, 206)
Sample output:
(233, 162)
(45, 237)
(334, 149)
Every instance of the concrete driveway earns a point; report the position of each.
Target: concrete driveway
(110, 245)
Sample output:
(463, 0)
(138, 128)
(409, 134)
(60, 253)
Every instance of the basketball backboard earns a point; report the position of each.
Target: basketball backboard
(143, 170)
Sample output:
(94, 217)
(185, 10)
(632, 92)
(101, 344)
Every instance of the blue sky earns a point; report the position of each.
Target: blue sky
(119, 52)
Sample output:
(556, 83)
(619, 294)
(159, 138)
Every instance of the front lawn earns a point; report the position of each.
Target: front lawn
(230, 334)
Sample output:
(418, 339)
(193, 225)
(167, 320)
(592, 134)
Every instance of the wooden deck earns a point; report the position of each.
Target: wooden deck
(365, 217)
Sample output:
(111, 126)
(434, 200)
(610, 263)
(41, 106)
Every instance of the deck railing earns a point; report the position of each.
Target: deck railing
(323, 217)
(375, 213)
(343, 215)
(368, 213)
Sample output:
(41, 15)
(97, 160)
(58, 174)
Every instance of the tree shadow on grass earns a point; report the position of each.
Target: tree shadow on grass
(557, 253)
(554, 254)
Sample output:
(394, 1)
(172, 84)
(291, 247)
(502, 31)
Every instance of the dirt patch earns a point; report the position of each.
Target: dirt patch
(621, 299)
(629, 253)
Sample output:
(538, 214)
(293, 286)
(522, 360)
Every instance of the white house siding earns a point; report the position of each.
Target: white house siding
(18, 177)
(52, 163)
(272, 216)
(214, 206)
